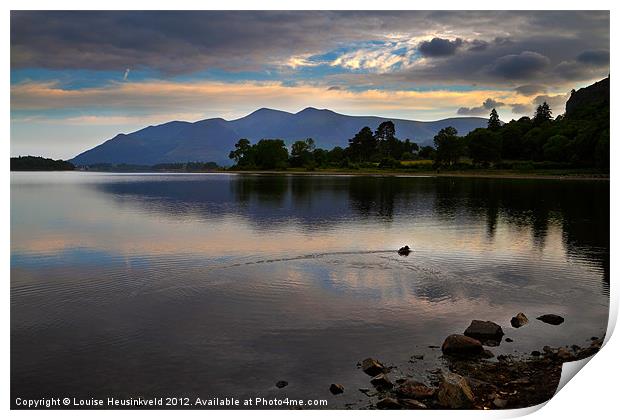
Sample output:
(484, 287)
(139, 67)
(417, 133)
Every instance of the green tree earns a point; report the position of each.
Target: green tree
(494, 121)
(385, 136)
(448, 147)
(336, 155)
(556, 148)
(602, 151)
(302, 153)
(363, 145)
(271, 154)
(427, 152)
(485, 146)
(243, 154)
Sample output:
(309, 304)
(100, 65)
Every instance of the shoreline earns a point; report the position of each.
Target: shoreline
(577, 176)
(462, 381)
(429, 174)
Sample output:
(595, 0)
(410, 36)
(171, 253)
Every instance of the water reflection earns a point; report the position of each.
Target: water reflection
(223, 284)
(581, 208)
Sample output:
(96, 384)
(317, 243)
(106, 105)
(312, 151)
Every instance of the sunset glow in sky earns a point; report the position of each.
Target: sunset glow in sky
(79, 78)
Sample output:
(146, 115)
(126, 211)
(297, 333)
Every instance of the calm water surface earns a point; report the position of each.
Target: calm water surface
(209, 285)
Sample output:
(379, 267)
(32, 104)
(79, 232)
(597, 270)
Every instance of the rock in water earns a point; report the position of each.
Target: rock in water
(368, 392)
(551, 319)
(487, 354)
(455, 392)
(281, 384)
(404, 250)
(460, 345)
(563, 354)
(372, 367)
(336, 389)
(381, 382)
(389, 404)
(500, 402)
(519, 320)
(413, 404)
(484, 330)
(415, 390)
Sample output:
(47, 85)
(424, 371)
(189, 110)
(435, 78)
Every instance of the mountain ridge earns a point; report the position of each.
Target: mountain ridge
(212, 139)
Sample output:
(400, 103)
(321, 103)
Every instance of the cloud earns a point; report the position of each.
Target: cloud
(522, 109)
(438, 47)
(233, 100)
(378, 57)
(573, 71)
(170, 43)
(334, 88)
(594, 57)
(529, 90)
(478, 45)
(487, 106)
(588, 65)
(554, 101)
(519, 66)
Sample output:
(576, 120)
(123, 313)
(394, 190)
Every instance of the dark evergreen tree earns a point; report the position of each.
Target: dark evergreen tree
(494, 121)
(543, 113)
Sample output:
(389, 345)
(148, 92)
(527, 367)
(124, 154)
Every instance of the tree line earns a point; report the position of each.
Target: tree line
(580, 140)
(37, 163)
(366, 149)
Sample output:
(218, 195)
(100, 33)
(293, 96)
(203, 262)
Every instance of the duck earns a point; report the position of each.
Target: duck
(404, 250)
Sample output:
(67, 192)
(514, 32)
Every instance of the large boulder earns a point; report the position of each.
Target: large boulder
(551, 319)
(381, 382)
(460, 345)
(484, 330)
(519, 320)
(372, 367)
(389, 404)
(455, 392)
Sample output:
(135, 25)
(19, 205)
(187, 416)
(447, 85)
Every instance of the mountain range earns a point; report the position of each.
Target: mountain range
(212, 139)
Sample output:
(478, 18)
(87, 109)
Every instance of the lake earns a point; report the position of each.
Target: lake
(204, 285)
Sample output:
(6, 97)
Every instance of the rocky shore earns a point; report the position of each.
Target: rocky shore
(469, 376)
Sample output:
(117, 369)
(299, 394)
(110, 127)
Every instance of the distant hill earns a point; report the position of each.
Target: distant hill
(37, 163)
(214, 138)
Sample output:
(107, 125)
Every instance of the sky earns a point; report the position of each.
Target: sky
(80, 78)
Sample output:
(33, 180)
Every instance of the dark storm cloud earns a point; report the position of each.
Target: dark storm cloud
(486, 106)
(488, 47)
(594, 57)
(519, 66)
(478, 45)
(529, 90)
(439, 47)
